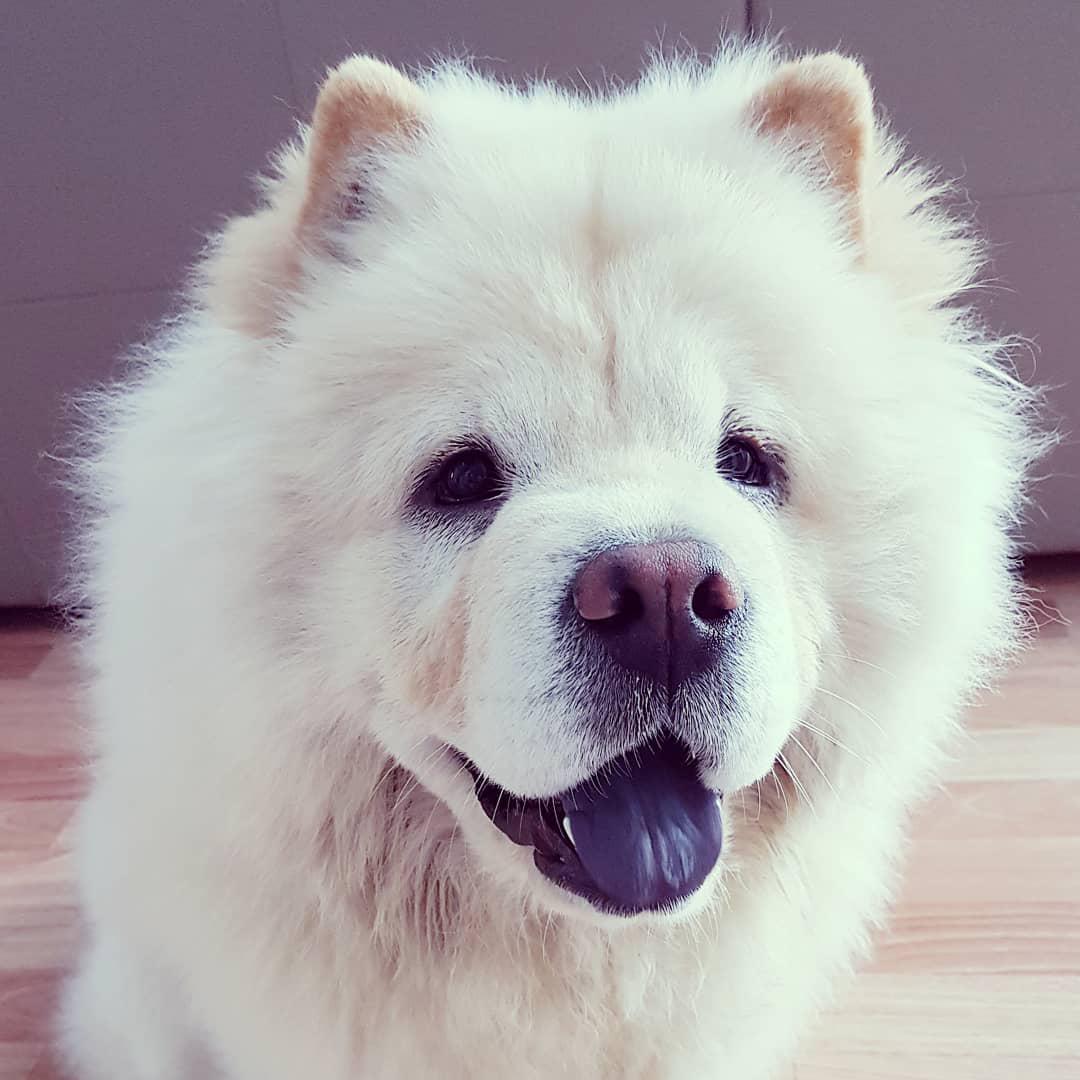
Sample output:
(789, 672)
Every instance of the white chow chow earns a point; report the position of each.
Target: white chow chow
(532, 583)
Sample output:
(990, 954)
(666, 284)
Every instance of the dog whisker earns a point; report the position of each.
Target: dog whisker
(803, 793)
(851, 704)
(782, 793)
(851, 658)
(821, 733)
(813, 761)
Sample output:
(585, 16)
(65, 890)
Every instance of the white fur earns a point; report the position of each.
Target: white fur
(283, 873)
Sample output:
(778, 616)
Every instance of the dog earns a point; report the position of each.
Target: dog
(532, 583)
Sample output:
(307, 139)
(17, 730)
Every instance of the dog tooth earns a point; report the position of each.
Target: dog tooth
(566, 828)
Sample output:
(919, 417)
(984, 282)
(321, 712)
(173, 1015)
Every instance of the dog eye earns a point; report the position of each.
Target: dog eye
(741, 459)
(466, 477)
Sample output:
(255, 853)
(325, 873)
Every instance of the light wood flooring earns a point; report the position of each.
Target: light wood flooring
(977, 977)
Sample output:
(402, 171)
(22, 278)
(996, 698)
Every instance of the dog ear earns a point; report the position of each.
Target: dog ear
(363, 104)
(258, 260)
(824, 106)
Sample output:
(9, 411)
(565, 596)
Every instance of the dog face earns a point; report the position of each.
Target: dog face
(589, 418)
(551, 568)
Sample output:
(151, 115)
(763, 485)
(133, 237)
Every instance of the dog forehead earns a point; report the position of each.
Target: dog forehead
(590, 294)
(541, 328)
(547, 399)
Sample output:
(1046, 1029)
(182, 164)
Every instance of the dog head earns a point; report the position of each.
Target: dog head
(603, 429)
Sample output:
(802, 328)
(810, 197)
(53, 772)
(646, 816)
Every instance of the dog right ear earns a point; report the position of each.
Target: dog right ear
(363, 105)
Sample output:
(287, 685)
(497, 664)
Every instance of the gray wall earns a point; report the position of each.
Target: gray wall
(131, 129)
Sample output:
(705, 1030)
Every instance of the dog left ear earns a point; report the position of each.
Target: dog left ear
(825, 107)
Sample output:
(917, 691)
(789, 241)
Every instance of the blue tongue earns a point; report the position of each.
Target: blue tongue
(646, 832)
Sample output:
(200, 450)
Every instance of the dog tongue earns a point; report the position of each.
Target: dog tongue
(646, 832)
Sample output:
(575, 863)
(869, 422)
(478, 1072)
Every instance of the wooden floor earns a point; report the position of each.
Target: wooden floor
(978, 977)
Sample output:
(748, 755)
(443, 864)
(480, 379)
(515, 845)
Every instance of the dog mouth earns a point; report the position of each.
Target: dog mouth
(641, 834)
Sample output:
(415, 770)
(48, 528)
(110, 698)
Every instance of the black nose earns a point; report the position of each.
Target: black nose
(659, 609)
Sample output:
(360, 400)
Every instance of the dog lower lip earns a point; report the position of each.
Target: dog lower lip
(641, 834)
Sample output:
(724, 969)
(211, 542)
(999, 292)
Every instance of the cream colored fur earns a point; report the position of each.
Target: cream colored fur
(283, 874)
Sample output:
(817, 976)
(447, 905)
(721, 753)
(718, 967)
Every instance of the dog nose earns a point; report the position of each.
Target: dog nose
(659, 608)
